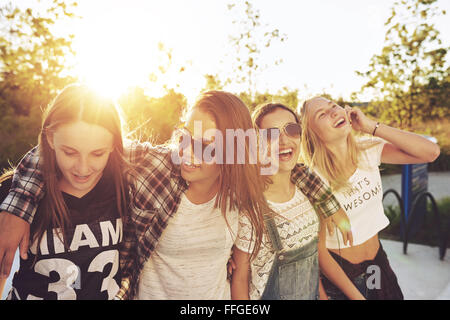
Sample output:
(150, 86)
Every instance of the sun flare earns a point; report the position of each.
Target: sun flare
(118, 56)
(112, 61)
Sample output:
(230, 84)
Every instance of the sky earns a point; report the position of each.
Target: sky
(327, 41)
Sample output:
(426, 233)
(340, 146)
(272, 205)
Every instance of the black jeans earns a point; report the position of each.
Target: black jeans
(360, 274)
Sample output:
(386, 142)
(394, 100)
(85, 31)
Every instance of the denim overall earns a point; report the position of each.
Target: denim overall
(295, 273)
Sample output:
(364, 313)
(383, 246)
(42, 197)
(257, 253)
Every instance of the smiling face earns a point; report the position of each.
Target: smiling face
(328, 120)
(82, 151)
(289, 148)
(197, 170)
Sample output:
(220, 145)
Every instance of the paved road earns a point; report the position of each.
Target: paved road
(420, 273)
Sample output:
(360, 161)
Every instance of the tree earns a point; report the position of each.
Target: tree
(169, 68)
(152, 119)
(286, 96)
(248, 44)
(410, 65)
(213, 82)
(32, 63)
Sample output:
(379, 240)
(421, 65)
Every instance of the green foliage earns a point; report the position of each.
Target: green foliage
(286, 96)
(213, 83)
(440, 129)
(252, 38)
(32, 58)
(169, 67)
(152, 119)
(18, 133)
(409, 74)
(32, 62)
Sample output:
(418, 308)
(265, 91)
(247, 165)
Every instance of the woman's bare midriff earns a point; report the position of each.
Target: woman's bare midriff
(357, 254)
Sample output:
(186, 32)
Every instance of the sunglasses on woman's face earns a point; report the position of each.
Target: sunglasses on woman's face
(291, 129)
(183, 134)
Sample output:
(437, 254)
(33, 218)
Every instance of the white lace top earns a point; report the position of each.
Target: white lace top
(298, 225)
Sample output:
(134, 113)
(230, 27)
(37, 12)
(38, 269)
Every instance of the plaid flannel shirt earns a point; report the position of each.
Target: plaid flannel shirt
(312, 186)
(155, 189)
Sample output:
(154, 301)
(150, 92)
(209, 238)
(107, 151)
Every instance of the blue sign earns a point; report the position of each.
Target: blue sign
(415, 183)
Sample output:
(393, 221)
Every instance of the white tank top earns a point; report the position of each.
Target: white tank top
(190, 260)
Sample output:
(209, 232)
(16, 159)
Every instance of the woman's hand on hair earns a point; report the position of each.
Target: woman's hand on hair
(359, 121)
(14, 232)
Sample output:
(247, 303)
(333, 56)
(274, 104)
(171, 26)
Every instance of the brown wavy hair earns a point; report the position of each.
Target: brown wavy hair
(77, 103)
(260, 112)
(240, 185)
(264, 109)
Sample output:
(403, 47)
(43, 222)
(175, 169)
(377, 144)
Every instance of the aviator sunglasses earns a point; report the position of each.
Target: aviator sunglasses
(291, 129)
(182, 135)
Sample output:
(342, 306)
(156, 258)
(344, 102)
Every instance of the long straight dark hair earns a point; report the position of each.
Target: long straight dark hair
(264, 109)
(77, 103)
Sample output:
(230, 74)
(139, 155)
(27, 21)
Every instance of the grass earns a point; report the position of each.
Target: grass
(440, 129)
(427, 233)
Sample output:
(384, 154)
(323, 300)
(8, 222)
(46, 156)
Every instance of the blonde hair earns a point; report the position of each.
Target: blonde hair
(6, 174)
(315, 154)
